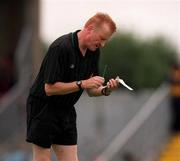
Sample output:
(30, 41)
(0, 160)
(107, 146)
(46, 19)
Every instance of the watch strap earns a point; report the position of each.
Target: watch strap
(78, 83)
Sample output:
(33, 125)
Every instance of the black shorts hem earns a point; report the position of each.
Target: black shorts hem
(65, 143)
(48, 146)
(38, 143)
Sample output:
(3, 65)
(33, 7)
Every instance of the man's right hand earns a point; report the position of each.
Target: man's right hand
(93, 82)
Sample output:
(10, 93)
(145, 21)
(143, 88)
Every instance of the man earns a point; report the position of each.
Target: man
(69, 67)
(175, 97)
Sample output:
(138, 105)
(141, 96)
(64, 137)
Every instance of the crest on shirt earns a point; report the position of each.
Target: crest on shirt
(72, 66)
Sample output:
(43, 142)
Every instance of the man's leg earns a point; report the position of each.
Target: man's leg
(40, 153)
(65, 152)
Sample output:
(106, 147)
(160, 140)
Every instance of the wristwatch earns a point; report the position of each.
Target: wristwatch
(78, 83)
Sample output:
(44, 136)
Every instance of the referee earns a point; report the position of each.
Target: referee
(69, 67)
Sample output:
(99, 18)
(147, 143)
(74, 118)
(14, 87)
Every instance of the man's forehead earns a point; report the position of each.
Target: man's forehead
(105, 32)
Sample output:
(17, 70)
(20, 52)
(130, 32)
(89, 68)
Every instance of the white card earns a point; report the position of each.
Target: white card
(123, 83)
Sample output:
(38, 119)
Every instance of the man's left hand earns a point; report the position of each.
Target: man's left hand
(112, 84)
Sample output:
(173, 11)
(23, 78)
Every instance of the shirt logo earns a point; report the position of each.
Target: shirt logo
(72, 66)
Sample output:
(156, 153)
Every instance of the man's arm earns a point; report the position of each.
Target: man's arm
(61, 88)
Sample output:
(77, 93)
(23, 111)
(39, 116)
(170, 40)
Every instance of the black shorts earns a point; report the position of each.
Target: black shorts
(45, 127)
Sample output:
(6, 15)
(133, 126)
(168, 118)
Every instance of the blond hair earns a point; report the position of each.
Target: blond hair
(100, 19)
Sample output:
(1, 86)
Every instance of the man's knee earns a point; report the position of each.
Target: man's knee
(41, 154)
(65, 153)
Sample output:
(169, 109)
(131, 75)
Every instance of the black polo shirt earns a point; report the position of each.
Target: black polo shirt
(64, 63)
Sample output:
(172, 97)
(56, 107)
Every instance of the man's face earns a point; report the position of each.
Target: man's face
(98, 37)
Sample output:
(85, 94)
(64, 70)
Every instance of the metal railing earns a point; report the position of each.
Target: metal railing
(119, 142)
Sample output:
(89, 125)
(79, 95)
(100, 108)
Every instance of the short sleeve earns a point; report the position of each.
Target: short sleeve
(53, 65)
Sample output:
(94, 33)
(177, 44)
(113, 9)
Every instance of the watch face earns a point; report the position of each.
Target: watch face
(79, 82)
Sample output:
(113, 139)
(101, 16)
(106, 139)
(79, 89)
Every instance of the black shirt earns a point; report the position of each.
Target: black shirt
(64, 63)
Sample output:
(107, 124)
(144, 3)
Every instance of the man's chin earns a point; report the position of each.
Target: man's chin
(92, 49)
